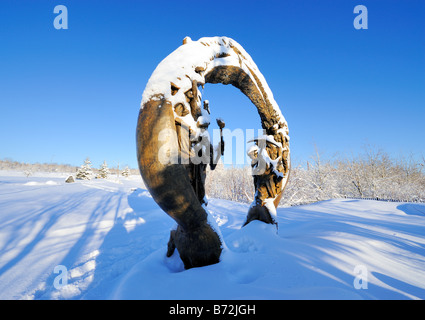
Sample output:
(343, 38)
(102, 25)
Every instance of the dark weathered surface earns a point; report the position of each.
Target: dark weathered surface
(169, 185)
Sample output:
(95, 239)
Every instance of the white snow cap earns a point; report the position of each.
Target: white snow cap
(187, 40)
(194, 59)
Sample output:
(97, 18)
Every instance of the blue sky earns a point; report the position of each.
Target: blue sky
(69, 94)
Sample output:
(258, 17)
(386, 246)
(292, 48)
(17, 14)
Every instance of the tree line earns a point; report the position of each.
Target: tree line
(28, 169)
(370, 174)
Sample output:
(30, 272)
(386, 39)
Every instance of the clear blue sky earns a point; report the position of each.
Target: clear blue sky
(69, 94)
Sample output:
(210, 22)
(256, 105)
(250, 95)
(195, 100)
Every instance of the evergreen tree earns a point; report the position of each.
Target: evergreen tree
(85, 172)
(126, 172)
(104, 171)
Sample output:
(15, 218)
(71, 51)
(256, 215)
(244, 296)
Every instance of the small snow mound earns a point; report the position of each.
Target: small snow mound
(35, 183)
(256, 236)
(144, 193)
(32, 183)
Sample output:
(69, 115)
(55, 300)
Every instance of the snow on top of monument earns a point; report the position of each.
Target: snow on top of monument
(206, 53)
(179, 68)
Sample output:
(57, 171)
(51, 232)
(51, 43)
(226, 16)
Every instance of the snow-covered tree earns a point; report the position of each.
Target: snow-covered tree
(85, 172)
(126, 172)
(28, 173)
(104, 172)
(371, 173)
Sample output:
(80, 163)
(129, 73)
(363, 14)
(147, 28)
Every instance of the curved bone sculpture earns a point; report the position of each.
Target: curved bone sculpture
(171, 108)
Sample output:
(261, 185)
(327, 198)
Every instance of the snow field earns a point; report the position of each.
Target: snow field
(111, 238)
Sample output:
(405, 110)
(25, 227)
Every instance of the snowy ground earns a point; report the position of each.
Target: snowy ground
(111, 239)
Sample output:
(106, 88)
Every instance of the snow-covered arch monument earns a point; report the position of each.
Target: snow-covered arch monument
(171, 109)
